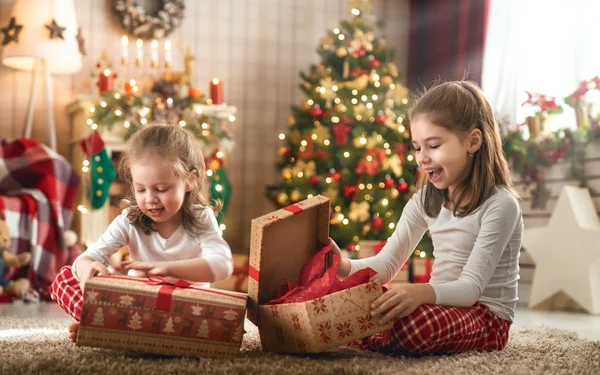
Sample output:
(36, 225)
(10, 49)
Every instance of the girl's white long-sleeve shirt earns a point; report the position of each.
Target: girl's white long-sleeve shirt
(208, 245)
(476, 256)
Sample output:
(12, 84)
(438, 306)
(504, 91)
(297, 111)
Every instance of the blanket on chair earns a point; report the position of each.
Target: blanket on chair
(37, 195)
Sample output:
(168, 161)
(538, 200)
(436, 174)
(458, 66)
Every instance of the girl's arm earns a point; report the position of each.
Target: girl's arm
(213, 264)
(115, 237)
(498, 223)
(400, 245)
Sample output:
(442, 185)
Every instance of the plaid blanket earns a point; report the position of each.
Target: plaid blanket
(37, 195)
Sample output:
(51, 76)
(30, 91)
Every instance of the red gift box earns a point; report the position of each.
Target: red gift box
(281, 243)
(161, 316)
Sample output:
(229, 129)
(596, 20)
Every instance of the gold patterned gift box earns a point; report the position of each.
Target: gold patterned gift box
(281, 243)
(161, 316)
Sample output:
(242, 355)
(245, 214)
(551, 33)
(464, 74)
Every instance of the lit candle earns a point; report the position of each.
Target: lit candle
(216, 91)
(154, 55)
(168, 56)
(140, 52)
(124, 49)
(106, 81)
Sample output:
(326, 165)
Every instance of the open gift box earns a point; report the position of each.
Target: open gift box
(161, 316)
(281, 243)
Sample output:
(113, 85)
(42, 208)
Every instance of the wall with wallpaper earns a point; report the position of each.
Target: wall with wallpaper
(257, 47)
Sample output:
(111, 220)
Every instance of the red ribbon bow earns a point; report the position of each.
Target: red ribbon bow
(165, 293)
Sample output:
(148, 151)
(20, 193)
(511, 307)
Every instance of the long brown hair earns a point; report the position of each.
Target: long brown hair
(460, 107)
(176, 149)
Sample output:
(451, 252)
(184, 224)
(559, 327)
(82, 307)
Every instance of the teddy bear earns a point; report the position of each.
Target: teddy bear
(19, 287)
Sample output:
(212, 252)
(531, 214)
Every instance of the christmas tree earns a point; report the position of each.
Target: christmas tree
(348, 139)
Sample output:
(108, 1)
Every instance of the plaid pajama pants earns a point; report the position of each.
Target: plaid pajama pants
(67, 293)
(435, 329)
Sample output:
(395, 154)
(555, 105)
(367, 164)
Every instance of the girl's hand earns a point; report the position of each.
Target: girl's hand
(344, 268)
(401, 301)
(150, 268)
(88, 268)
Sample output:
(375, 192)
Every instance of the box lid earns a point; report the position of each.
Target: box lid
(281, 242)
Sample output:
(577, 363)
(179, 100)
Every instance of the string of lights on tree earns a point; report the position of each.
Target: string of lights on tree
(348, 139)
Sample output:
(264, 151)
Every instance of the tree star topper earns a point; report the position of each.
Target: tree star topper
(11, 32)
(56, 31)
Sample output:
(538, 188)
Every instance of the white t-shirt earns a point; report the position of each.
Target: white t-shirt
(476, 256)
(208, 245)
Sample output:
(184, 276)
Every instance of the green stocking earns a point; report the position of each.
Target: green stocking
(102, 170)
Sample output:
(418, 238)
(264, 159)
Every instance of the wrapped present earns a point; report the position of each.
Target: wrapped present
(238, 281)
(161, 316)
(420, 269)
(281, 243)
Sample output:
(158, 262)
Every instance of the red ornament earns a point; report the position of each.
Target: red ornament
(402, 186)
(362, 52)
(349, 191)
(377, 222)
(374, 63)
(351, 247)
(335, 176)
(316, 112)
(313, 180)
(341, 132)
(389, 182)
(380, 119)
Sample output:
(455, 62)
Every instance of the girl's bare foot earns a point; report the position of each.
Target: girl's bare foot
(73, 329)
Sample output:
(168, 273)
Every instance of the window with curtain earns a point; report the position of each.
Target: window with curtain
(545, 46)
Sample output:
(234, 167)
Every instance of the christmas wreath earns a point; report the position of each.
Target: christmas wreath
(133, 17)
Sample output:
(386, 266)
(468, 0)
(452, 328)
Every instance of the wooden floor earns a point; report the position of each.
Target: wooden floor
(586, 326)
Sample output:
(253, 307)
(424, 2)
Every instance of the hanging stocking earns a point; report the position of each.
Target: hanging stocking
(102, 170)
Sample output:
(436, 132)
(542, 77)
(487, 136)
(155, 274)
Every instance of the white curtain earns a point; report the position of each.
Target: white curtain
(545, 46)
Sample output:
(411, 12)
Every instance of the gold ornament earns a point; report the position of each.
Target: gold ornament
(292, 120)
(359, 212)
(360, 83)
(331, 193)
(381, 43)
(399, 93)
(366, 228)
(327, 93)
(394, 163)
(307, 169)
(282, 199)
(386, 80)
(295, 196)
(322, 133)
(286, 173)
(362, 110)
(394, 193)
(341, 52)
(392, 69)
(327, 40)
(360, 39)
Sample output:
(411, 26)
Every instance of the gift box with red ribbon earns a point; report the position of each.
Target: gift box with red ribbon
(161, 316)
(300, 319)
(238, 281)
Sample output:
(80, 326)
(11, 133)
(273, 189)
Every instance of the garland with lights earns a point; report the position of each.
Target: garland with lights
(207, 123)
(347, 140)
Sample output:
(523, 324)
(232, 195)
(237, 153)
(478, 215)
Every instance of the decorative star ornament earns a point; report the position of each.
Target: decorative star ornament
(55, 30)
(567, 253)
(11, 32)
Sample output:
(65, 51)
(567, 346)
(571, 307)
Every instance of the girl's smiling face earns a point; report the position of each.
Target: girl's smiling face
(159, 192)
(440, 153)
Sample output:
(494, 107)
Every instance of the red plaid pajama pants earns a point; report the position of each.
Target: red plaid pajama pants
(67, 293)
(435, 329)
